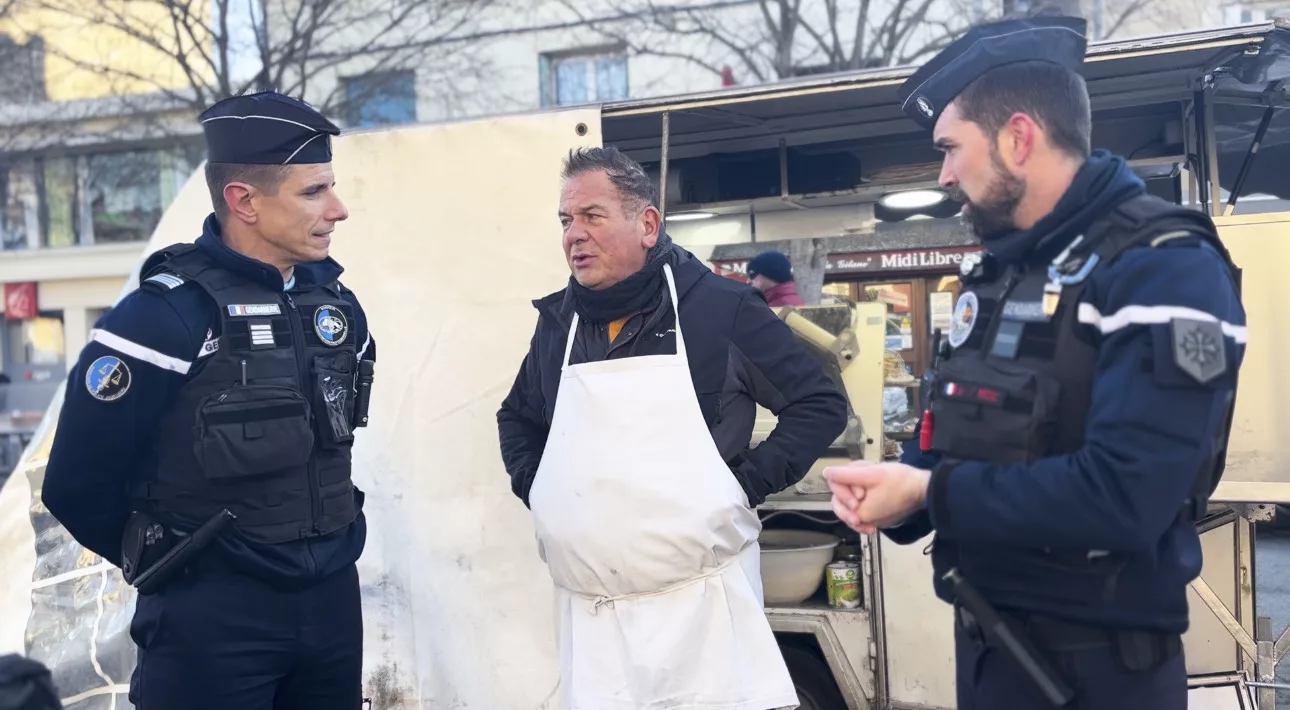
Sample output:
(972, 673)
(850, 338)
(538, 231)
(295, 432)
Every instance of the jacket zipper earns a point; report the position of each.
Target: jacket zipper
(298, 339)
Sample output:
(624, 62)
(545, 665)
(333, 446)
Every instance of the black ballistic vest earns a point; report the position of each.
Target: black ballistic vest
(1018, 387)
(264, 428)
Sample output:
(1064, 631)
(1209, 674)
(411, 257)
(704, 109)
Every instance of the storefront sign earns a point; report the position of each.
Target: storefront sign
(20, 300)
(939, 259)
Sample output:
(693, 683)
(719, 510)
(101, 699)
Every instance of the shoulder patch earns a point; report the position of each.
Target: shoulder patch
(167, 281)
(108, 378)
(1198, 348)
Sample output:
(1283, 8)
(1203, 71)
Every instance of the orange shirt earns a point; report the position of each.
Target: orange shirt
(616, 326)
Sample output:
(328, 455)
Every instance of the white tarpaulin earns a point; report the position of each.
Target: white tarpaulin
(452, 233)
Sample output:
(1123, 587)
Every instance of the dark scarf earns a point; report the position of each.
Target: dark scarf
(1104, 181)
(632, 294)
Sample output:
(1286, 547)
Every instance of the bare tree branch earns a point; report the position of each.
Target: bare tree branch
(1129, 11)
(773, 39)
(204, 54)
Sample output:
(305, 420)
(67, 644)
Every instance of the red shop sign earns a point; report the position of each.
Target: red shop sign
(20, 300)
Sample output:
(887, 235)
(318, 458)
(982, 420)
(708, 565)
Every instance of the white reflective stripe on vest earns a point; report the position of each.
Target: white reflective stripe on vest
(652, 546)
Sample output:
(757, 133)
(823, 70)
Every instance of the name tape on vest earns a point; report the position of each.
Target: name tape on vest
(254, 309)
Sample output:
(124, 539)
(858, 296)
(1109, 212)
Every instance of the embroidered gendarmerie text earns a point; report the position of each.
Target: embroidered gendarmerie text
(1029, 311)
(254, 309)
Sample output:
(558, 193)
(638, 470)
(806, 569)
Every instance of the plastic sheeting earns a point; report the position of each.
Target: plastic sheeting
(452, 233)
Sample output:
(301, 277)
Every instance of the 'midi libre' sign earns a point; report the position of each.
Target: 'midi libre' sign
(936, 259)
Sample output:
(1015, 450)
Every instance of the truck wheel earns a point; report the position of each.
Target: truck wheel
(816, 689)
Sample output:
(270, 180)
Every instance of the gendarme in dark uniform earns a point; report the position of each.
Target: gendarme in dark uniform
(230, 380)
(1079, 416)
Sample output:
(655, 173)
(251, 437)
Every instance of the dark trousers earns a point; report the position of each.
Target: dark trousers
(226, 642)
(989, 679)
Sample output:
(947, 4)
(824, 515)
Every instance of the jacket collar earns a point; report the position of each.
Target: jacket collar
(784, 290)
(687, 270)
(307, 275)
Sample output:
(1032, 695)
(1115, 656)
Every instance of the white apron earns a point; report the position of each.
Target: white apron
(651, 545)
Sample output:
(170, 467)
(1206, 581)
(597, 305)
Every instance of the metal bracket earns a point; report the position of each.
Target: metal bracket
(853, 437)
(1256, 512)
(845, 348)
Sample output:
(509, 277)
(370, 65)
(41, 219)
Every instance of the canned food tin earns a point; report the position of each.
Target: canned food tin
(843, 581)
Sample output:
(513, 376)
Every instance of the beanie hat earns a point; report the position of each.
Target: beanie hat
(773, 265)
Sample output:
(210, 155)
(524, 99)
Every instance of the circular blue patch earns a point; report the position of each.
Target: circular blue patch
(964, 318)
(331, 325)
(107, 378)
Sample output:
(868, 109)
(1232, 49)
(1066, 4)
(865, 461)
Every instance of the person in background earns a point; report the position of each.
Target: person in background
(628, 434)
(772, 273)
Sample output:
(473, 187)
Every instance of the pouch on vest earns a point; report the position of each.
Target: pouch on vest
(334, 397)
(251, 430)
(26, 685)
(993, 411)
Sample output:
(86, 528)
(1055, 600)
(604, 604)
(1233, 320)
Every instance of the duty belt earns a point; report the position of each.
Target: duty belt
(1138, 650)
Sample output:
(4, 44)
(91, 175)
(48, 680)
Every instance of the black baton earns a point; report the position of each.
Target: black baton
(1016, 645)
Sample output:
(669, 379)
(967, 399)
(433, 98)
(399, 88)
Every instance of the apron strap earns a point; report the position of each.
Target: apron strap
(568, 346)
(676, 311)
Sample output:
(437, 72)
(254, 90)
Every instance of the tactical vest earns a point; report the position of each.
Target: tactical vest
(264, 429)
(1017, 383)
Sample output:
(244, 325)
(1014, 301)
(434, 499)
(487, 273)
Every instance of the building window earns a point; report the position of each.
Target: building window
(381, 98)
(1242, 15)
(568, 79)
(35, 341)
(102, 198)
(22, 69)
(1034, 8)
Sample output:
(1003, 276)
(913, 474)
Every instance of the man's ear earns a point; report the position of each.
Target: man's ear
(239, 199)
(1017, 140)
(650, 220)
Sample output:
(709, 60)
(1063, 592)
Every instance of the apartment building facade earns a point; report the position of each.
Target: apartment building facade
(88, 163)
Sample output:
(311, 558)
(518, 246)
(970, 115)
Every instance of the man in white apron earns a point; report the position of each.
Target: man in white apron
(627, 434)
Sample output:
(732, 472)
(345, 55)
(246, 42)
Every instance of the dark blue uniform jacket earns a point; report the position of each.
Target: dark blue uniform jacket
(1149, 428)
(100, 445)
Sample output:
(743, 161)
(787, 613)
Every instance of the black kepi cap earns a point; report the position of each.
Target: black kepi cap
(266, 128)
(1059, 40)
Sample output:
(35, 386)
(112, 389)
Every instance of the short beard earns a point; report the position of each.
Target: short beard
(992, 215)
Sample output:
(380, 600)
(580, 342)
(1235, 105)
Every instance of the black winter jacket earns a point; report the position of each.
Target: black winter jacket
(740, 353)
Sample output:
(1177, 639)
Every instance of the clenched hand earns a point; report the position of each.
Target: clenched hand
(870, 496)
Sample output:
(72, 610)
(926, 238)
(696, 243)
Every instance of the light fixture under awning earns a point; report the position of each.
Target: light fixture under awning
(912, 199)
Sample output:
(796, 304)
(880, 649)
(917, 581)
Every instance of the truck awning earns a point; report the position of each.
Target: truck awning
(1144, 75)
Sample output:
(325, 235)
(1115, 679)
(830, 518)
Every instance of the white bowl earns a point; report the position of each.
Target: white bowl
(793, 562)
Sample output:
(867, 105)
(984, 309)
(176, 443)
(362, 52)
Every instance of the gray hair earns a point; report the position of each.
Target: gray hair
(634, 187)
